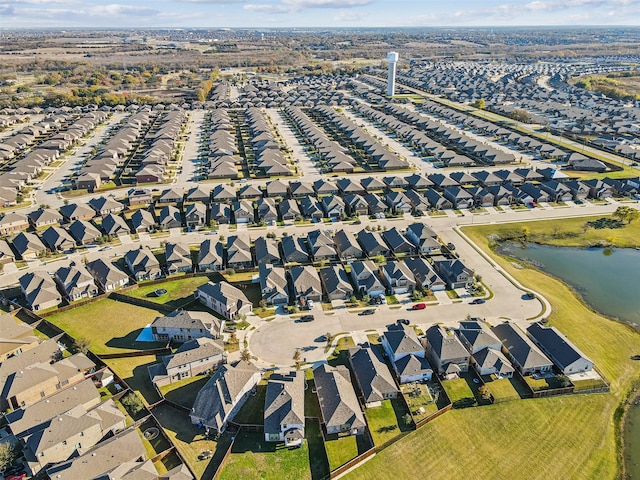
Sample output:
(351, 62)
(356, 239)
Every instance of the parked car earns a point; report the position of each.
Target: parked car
(158, 292)
(529, 295)
(403, 321)
(369, 311)
(477, 301)
(419, 306)
(383, 299)
(307, 318)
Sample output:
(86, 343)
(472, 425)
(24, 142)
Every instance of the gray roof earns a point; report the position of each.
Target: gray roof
(403, 339)
(305, 280)
(411, 365)
(335, 279)
(284, 401)
(559, 348)
(444, 344)
(188, 319)
(266, 251)
(346, 244)
(210, 253)
(478, 335)
(372, 374)
(489, 357)
(193, 351)
(338, 401)
(114, 224)
(105, 273)
(521, 348)
(225, 293)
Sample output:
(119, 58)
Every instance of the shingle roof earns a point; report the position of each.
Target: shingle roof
(374, 378)
(284, 401)
(338, 401)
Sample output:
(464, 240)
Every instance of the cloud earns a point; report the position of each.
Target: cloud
(118, 9)
(350, 16)
(268, 8)
(212, 2)
(327, 3)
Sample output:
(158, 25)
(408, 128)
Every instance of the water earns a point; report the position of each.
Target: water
(607, 279)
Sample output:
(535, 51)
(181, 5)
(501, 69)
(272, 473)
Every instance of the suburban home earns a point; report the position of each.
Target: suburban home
(39, 291)
(266, 251)
(453, 272)
(294, 249)
(375, 204)
(73, 211)
(459, 197)
(40, 218)
(195, 215)
(194, 357)
(243, 212)
(273, 284)
(520, 349)
(223, 396)
(489, 361)
(347, 246)
(28, 245)
(399, 341)
(445, 351)
(301, 189)
(199, 194)
(84, 232)
(143, 264)
(476, 335)
(171, 195)
(356, 205)
(13, 222)
(323, 187)
(419, 203)
(364, 278)
(437, 201)
(374, 379)
(170, 217)
(107, 275)
(210, 256)
(284, 409)
(249, 192)
(311, 209)
(372, 243)
(321, 246)
(75, 282)
(6, 254)
(239, 253)
(142, 221)
(139, 196)
(220, 213)
(114, 225)
(306, 283)
(398, 202)
(277, 189)
(397, 277)
(185, 325)
(564, 354)
(224, 298)
(57, 239)
(397, 242)
(424, 238)
(336, 283)
(412, 368)
(17, 337)
(289, 210)
(223, 194)
(105, 205)
(338, 402)
(267, 211)
(178, 258)
(333, 206)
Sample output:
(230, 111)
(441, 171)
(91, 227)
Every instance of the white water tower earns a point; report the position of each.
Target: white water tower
(392, 60)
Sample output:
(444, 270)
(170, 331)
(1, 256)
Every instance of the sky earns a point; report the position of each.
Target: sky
(314, 13)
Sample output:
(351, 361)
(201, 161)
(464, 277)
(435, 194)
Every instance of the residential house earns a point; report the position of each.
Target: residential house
(306, 283)
(210, 256)
(185, 325)
(372, 376)
(372, 243)
(446, 352)
(39, 291)
(57, 239)
(397, 277)
(239, 253)
(143, 264)
(192, 358)
(224, 298)
(400, 341)
(195, 215)
(28, 245)
(250, 192)
(6, 254)
(364, 278)
(377, 206)
(273, 284)
(490, 361)
(17, 337)
(412, 368)
(107, 275)
(294, 249)
(243, 212)
(170, 217)
(356, 205)
(142, 221)
(223, 194)
(220, 213)
(398, 202)
(199, 194)
(459, 197)
(74, 211)
(178, 258)
(453, 272)
(338, 402)
(333, 206)
(13, 222)
(84, 232)
(105, 205)
(423, 237)
(284, 418)
(336, 283)
(75, 282)
(398, 243)
(114, 225)
(321, 246)
(267, 211)
(289, 210)
(476, 335)
(41, 218)
(347, 246)
(171, 195)
(437, 201)
(311, 209)
(139, 196)
(520, 349)
(223, 396)
(266, 251)
(564, 354)
(424, 274)
(277, 189)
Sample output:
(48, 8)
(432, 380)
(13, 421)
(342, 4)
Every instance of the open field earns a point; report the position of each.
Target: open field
(252, 457)
(579, 432)
(109, 325)
(179, 291)
(565, 232)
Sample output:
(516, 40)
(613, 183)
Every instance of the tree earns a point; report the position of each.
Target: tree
(132, 403)
(525, 233)
(480, 103)
(82, 344)
(245, 355)
(484, 392)
(297, 357)
(626, 214)
(8, 454)
(406, 418)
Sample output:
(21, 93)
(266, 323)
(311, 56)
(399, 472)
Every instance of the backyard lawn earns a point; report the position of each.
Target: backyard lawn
(252, 457)
(502, 389)
(419, 400)
(341, 450)
(387, 421)
(252, 412)
(110, 326)
(190, 440)
(459, 392)
(133, 370)
(179, 291)
(185, 391)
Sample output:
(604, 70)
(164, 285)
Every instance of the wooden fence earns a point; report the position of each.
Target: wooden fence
(433, 416)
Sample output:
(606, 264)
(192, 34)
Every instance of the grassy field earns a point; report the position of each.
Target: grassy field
(578, 432)
(109, 325)
(565, 232)
(252, 457)
(190, 440)
(134, 371)
(179, 291)
(185, 391)
(386, 421)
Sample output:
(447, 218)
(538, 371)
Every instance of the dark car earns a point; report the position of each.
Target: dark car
(403, 321)
(158, 292)
(477, 301)
(307, 318)
(529, 295)
(368, 312)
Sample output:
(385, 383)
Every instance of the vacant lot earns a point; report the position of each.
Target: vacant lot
(109, 325)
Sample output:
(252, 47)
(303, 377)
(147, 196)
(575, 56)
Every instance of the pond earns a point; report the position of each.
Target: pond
(607, 279)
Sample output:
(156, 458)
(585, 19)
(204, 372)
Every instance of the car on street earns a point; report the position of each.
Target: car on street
(529, 295)
(369, 311)
(477, 301)
(419, 306)
(307, 318)
(403, 321)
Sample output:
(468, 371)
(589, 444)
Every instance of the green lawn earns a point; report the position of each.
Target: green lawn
(502, 389)
(252, 457)
(252, 412)
(419, 400)
(340, 355)
(185, 391)
(341, 450)
(459, 392)
(179, 291)
(386, 421)
(134, 371)
(190, 440)
(575, 435)
(110, 326)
